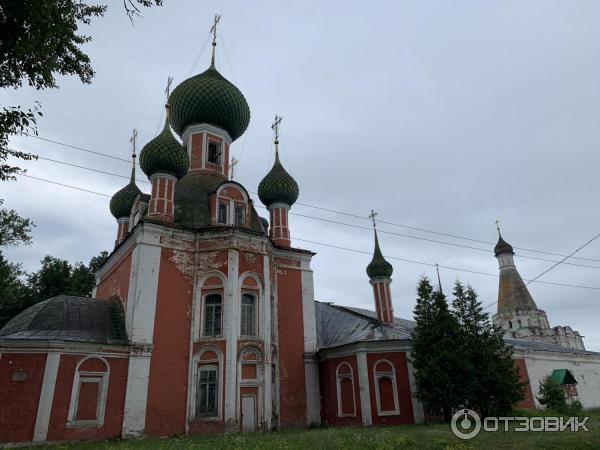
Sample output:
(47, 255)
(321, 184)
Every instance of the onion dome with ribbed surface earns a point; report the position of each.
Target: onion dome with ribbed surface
(122, 202)
(278, 186)
(209, 98)
(502, 246)
(164, 154)
(379, 267)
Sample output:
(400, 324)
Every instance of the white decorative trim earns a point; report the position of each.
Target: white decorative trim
(193, 384)
(102, 379)
(232, 327)
(365, 394)
(136, 396)
(418, 411)
(198, 317)
(42, 420)
(265, 319)
(392, 377)
(205, 128)
(338, 387)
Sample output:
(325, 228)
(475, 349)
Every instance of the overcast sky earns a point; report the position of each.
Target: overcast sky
(439, 115)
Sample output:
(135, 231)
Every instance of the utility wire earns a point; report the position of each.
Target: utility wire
(535, 279)
(355, 250)
(355, 215)
(341, 223)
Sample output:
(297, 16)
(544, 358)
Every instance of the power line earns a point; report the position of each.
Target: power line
(364, 218)
(361, 251)
(535, 279)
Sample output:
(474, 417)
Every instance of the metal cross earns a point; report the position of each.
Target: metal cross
(498, 225)
(372, 217)
(232, 166)
(275, 126)
(213, 29)
(133, 141)
(168, 88)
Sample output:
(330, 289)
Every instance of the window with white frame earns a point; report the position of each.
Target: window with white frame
(207, 391)
(214, 152)
(239, 216)
(386, 388)
(222, 214)
(212, 315)
(88, 397)
(346, 404)
(248, 319)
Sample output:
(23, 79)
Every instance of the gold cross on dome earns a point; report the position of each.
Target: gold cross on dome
(372, 217)
(275, 126)
(133, 141)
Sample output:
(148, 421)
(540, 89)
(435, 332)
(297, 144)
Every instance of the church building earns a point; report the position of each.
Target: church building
(203, 319)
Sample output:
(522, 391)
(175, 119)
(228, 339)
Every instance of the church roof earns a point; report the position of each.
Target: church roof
(339, 325)
(379, 267)
(502, 246)
(209, 98)
(278, 186)
(512, 292)
(69, 318)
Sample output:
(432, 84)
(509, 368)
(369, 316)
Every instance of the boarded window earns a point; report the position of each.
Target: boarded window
(89, 396)
(212, 315)
(345, 390)
(386, 390)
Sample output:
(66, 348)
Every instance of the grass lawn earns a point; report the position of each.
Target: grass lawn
(390, 437)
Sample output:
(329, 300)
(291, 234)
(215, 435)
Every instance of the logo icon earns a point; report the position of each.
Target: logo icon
(465, 424)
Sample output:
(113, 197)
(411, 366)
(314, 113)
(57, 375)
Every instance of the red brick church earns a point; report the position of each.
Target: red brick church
(204, 319)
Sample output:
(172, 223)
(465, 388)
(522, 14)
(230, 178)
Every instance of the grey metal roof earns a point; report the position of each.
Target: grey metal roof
(339, 325)
(68, 318)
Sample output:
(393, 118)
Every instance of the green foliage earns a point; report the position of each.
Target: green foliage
(552, 395)
(460, 359)
(14, 229)
(19, 291)
(438, 370)
(39, 40)
(491, 383)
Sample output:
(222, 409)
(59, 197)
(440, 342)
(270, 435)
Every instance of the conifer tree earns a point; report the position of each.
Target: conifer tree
(491, 384)
(437, 366)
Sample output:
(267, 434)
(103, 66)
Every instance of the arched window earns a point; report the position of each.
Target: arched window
(386, 388)
(248, 322)
(88, 396)
(212, 315)
(207, 396)
(345, 391)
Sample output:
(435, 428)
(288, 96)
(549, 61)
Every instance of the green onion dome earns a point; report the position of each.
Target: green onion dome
(278, 186)
(164, 154)
(209, 98)
(379, 267)
(122, 202)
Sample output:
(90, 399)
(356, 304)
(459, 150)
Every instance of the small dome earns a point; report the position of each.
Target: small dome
(122, 202)
(379, 267)
(278, 186)
(164, 154)
(502, 246)
(209, 98)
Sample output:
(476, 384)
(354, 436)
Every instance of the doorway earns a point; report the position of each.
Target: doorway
(248, 413)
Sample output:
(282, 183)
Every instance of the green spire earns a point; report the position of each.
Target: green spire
(379, 267)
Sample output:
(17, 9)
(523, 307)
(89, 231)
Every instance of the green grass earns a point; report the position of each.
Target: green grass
(438, 436)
